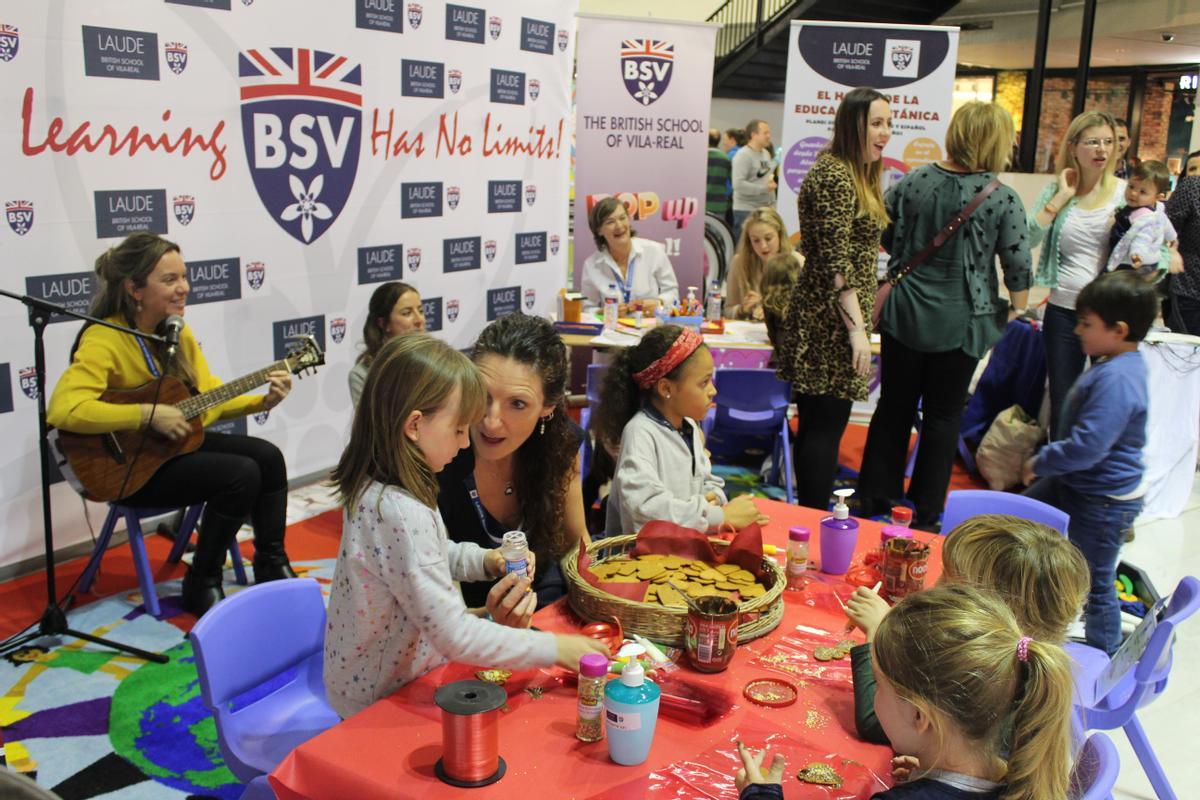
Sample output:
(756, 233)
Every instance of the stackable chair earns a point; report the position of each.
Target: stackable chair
(963, 504)
(752, 402)
(259, 658)
(595, 377)
(1096, 769)
(1144, 682)
(133, 522)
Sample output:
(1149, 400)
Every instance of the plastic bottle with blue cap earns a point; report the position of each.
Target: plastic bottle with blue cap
(630, 714)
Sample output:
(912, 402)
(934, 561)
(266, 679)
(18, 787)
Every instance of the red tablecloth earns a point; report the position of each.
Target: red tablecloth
(389, 750)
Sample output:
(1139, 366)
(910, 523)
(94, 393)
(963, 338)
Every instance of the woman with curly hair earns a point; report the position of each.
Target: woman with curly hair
(521, 471)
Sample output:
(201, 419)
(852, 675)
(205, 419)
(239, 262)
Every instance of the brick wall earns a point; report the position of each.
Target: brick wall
(1156, 117)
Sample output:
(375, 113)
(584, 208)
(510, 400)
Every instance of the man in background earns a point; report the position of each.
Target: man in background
(753, 174)
(716, 200)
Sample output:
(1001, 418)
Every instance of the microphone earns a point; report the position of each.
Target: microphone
(173, 326)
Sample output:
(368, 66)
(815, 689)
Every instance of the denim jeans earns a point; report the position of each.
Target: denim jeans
(1064, 360)
(1097, 528)
(739, 219)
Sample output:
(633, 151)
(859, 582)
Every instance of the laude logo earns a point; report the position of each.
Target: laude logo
(504, 196)
(452, 310)
(530, 248)
(464, 24)
(422, 199)
(256, 273)
(453, 195)
(184, 206)
(503, 301)
(379, 15)
(494, 25)
(380, 263)
(646, 68)
(20, 215)
(460, 254)
(10, 42)
(537, 36)
(454, 80)
(535, 88)
(554, 244)
(117, 53)
(530, 194)
(27, 376)
(431, 309)
(176, 56)
(564, 39)
(415, 12)
(337, 329)
(530, 299)
(413, 259)
(73, 290)
(284, 333)
(489, 250)
(214, 280)
(421, 78)
(301, 116)
(508, 87)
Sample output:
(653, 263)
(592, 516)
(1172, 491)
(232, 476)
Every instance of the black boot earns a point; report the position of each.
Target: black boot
(202, 583)
(269, 518)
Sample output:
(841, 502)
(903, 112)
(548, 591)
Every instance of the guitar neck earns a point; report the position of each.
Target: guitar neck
(196, 405)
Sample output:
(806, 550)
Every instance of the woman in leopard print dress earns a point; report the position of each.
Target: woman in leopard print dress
(824, 349)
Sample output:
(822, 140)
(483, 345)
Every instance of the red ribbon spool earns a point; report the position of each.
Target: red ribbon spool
(610, 633)
(470, 733)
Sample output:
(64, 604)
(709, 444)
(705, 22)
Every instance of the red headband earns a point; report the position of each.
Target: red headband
(683, 346)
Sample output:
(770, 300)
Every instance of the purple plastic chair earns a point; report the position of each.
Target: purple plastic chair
(752, 402)
(260, 789)
(1141, 685)
(141, 562)
(1095, 772)
(963, 504)
(259, 657)
(595, 377)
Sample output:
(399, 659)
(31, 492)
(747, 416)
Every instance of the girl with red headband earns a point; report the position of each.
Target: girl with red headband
(652, 396)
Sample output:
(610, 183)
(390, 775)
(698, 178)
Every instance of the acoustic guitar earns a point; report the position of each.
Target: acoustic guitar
(107, 466)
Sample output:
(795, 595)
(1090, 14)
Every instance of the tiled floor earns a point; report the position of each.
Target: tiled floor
(1167, 550)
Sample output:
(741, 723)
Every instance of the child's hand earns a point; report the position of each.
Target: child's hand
(741, 512)
(1027, 476)
(712, 498)
(573, 646)
(866, 609)
(903, 766)
(751, 771)
(511, 601)
(493, 563)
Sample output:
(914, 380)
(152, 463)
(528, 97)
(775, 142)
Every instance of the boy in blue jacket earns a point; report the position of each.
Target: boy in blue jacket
(1095, 472)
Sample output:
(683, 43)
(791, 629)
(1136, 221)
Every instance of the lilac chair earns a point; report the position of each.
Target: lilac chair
(260, 789)
(595, 377)
(1095, 771)
(963, 504)
(1141, 685)
(259, 657)
(141, 562)
(752, 402)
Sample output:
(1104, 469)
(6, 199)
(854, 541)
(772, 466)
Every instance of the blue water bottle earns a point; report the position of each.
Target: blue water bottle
(630, 714)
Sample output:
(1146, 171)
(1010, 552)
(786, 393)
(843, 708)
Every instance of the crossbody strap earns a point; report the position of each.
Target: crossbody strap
(956, 222)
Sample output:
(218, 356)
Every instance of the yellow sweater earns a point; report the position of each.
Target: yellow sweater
(108, 359)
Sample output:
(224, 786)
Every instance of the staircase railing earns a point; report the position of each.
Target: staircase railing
(743, 20)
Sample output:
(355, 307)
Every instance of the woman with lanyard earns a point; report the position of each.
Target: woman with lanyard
(143, 280)
(521, 471)
(630, 269)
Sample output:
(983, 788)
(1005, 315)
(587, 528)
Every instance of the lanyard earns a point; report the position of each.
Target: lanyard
(627, 284)
(149, 358)
(480, 511)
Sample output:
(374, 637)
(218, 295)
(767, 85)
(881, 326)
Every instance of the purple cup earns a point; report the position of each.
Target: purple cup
(839, 537)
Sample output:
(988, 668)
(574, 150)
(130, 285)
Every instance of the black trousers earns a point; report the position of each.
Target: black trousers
(1184, 315)
(822, 420)
(939, 382)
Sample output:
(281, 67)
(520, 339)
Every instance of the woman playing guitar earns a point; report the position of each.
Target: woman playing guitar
(143, 281)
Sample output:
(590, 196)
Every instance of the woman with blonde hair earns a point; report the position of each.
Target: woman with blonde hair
(1071, 221)
(763, 236)
(824, 349)
(946, 312)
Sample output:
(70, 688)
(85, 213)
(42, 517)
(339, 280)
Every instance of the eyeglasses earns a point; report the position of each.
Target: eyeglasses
(1095, 143)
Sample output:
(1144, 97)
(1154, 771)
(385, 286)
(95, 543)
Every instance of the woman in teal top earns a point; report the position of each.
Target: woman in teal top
(945, 314)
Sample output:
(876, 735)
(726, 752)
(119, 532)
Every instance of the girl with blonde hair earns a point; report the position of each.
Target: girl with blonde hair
(763, 236)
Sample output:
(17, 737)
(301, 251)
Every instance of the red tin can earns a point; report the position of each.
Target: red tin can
(711, 633)
(905, 562)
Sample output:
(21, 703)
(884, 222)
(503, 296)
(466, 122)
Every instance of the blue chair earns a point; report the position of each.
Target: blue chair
(752, 402)
(1096, 769)
(259, 658)
(963, 504)
(1140, 686)
(260, 789)
(141, 562)
(595, 377)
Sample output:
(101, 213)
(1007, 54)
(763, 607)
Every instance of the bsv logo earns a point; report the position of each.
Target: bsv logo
(646, 68)
(337, 329)
(28, 378)
(256, 273)
(453, 195)
(554, 244)
(494, 25)
(301, 117)
(261, 417)
(535, 88)
(415, 12)
(10, 42)
(413, 258)
(184, 206)
(563, 38)
(489, 250)
(454, 80)
(530, 299)
(452, 310)
(20, 216)
(530, 194)
(176, 55)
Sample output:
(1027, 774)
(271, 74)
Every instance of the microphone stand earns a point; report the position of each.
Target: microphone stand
(53, 622)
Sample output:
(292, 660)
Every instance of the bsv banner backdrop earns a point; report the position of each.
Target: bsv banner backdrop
(300, 154)
(641, 121)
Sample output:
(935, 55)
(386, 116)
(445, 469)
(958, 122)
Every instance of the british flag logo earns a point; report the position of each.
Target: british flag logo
(27, 377)
(453, 195)
(564, 38)
(530, 194)
(337, 329)
(413, 258)
(494, 25)
(535, 88)
(176, 56)
(646, 66)
(184, 206)
(554, 244)
(530, 299)
(489, 250)
(415, 12)
(454, 80)
(10, 42)
(256, 273)
(301, 123)
(452, 310)
(20, 216)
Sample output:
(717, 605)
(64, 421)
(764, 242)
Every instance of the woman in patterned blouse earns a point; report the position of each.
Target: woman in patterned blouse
(824, 348)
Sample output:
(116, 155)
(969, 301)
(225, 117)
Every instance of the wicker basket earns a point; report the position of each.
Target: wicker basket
(759, 615)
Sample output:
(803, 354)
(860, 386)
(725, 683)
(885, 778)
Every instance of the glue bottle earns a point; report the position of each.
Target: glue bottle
(515, 550)
(839, 536)
(797, 557)
(693, 305)
(610, 307)
(630, 714)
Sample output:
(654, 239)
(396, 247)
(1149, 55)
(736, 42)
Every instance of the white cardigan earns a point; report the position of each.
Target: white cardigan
(653, 276)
